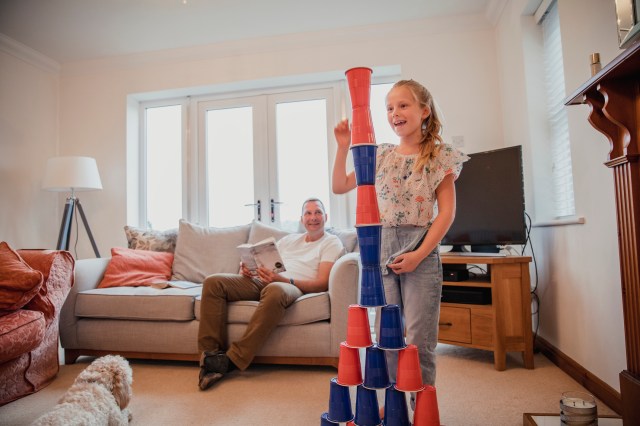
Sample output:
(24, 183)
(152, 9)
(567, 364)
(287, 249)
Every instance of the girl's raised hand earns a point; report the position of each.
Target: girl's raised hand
(342, 133)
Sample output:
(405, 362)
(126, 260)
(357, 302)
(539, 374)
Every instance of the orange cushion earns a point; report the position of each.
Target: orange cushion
(18, 281)
(135, 268)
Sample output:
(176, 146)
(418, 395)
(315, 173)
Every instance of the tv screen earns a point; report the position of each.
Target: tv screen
(489, 202)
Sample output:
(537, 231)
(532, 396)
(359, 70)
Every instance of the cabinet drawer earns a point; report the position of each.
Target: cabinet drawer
(455, 324)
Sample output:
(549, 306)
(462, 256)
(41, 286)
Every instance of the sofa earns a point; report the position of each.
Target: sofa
(162, 323)
(33, 287)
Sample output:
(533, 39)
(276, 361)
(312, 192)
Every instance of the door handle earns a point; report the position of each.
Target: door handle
(273, 209)
(258, 205)
(445, 324)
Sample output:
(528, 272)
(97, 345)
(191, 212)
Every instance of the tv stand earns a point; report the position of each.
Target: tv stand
(504, 325)
(482, 249)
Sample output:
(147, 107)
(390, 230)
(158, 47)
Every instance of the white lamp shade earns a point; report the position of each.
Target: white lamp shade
(67, 174)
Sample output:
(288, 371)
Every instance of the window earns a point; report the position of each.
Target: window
(255, 157)
(162, 200)
(224, 160)
(266, 154)
(560, 150)
(378, 106)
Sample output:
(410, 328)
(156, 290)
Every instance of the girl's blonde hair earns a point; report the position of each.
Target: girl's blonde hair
(431, 126)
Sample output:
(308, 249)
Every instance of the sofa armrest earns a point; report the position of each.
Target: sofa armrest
(344, 287)
(88, 274)
(57, 269)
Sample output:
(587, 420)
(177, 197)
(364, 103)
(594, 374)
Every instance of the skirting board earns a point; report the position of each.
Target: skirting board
(588, 380)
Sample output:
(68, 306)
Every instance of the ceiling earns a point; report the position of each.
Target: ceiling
(73, 30)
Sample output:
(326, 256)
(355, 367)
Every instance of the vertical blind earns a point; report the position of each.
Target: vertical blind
(564, 203)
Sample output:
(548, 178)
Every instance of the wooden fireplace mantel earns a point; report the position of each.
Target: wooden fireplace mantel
(614, 97)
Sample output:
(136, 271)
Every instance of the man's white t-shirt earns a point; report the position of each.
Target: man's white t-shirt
(302, 259)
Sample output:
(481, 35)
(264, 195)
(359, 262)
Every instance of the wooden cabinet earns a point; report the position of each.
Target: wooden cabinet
(502, 326)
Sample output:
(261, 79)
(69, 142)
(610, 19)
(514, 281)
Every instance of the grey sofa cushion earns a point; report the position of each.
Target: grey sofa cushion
(306, 309)
(260, 231)
(137, 303)
(348, 237)
(202, 251)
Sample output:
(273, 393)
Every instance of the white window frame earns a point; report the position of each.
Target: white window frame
(562, 209)
(142, 162)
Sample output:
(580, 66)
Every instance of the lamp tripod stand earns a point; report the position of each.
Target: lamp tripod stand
(70, 206)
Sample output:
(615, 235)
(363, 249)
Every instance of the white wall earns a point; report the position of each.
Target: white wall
(579, 282)
(29, 216)
(458, 66)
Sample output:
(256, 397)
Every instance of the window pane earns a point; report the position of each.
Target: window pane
(564, 201)
(230, 186)
(164, 166)
(302, 158)
(378, 106)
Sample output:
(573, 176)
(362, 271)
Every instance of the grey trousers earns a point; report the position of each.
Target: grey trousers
(418, 295)
(218, 290)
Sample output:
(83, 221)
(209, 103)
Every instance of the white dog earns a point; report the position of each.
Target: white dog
(99, 396)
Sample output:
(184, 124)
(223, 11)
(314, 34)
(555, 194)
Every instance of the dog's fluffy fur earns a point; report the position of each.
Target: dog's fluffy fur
(99, 396)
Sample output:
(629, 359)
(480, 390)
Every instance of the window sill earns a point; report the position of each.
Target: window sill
(574, 220)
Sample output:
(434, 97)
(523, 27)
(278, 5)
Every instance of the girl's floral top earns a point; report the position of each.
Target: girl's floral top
(406, 197)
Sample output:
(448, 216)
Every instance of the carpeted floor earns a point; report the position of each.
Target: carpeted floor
(470, 392)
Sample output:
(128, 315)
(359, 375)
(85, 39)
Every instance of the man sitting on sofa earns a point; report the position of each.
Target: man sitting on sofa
(308, 258)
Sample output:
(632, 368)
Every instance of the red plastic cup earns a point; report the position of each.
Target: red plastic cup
(362, 126)
(358, 330)
(359, 80)
(367, 212)
(426, 413)
(349, 370)
(409, 375)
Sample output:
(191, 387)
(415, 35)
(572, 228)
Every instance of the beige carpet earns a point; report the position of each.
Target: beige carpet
(470, 392)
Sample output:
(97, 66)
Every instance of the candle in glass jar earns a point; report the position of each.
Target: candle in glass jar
(577, 403)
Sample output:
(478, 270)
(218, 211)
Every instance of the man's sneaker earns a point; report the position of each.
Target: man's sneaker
(214, 362)
(206, 379)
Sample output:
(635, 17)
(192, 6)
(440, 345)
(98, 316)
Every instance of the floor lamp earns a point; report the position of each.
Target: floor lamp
(71, 174)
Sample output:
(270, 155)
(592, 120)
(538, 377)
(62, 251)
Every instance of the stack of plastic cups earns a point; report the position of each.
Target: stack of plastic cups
(376, 376)
(368, 223)
(369, 228)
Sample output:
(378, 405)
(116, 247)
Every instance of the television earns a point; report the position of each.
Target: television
(490, 209)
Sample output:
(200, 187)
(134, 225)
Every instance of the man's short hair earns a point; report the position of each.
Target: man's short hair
(309, 200)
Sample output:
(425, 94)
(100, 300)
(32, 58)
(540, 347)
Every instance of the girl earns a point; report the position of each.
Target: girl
(411, 178)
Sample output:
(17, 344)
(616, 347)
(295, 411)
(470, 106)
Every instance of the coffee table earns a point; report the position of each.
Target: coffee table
(548, 419)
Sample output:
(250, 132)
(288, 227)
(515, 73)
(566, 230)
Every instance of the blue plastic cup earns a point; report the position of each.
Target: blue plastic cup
(376, 373)
(324, 420)
(364, 162)
(391, 328)
(367, 413)
(396, 412)
(369, 240)
(371, 289)
(339, 403)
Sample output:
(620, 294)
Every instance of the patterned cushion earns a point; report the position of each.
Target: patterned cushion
(149, 239)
